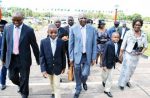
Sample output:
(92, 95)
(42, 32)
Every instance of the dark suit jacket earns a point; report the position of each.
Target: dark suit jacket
(27, 39)
(120, 31)
(67, 29)
(49, 63)
(109, 57)
(1, 35)
(62, 32)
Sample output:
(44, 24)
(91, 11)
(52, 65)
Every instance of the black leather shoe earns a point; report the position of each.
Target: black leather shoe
(3, 87)
(103, 84)
(121, 88)
(128, 84)
(24, 96)
(76, 95)
(85, 86)
(108, 94)
(60, 80)
(53, 96)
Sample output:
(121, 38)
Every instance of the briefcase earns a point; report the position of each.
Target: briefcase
(71, 73)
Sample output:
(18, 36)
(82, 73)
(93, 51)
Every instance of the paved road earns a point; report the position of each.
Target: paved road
(39, 86)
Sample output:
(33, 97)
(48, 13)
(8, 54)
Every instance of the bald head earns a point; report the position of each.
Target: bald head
(18, 14)
(57, 23)
(17, 18)
(70, 20)
(82, 19)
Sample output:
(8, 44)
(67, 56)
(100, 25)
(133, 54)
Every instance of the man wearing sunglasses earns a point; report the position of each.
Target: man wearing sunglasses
(16, 52)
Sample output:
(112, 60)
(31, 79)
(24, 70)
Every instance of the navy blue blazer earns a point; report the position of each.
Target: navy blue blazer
(49, 63)
(109, 57)
(62, 32)
(1, 35)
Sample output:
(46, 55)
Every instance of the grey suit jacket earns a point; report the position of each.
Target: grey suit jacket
(76, 44)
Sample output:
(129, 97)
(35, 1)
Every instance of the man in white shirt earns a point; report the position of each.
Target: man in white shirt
(82, 51)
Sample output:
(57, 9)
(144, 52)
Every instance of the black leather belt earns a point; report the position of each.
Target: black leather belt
(15, 54)
(83, 53)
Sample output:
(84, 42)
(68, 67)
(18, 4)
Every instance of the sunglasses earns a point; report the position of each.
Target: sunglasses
(18, 20)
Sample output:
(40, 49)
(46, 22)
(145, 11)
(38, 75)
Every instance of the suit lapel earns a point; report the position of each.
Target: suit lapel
(11, 34)
(48, 46)
(57, 46)
(87, 34)
(22, 34)
(79, 33)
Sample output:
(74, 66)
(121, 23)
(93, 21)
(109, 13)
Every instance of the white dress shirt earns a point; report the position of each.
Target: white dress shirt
(83, 32)
(116, 49)
(53, 45)
(122, 33)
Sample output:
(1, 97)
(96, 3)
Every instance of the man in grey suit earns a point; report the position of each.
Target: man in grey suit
(16, 52)
(82, 51)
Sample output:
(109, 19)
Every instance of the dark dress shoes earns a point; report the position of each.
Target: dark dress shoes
(60, 80)
(53, 96)
(76, 95)
(3, 87)
(121, 88)
(24, 96)
(85, 86)
(108, 94)
(103, 84)
(128, 84)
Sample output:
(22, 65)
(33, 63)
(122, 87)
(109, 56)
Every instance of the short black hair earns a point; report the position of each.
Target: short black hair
(89, 21)
(137, 20)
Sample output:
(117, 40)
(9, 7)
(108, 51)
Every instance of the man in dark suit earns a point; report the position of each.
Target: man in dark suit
(67, 28)
(61, 31)
(16, 52)
(52, 59)
(4, 69)
(122, 31)
(109, 60)
(114, 28)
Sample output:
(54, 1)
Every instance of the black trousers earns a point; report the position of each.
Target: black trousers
(67, 53)
(19, 74)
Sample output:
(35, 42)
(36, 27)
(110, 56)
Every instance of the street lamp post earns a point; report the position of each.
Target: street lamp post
(0, 10)
(116, 12)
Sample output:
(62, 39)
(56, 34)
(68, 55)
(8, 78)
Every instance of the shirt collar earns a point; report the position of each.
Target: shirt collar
(53, 40)
(20, 27)
(82, 27)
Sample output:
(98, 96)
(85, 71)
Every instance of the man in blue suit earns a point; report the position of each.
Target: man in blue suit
(82, 51)
(16, 52)
(114, 28)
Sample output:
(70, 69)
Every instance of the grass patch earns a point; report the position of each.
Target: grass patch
(147, 52)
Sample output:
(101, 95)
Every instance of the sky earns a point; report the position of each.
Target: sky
(129, 6)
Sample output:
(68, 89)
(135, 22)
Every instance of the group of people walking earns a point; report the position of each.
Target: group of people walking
(82, 43)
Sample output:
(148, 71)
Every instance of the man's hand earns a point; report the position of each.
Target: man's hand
(93, 62)
(63, 71)
(45, 75)
(71, 63)
(65, 38)
(120, 58)
(105, 68)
